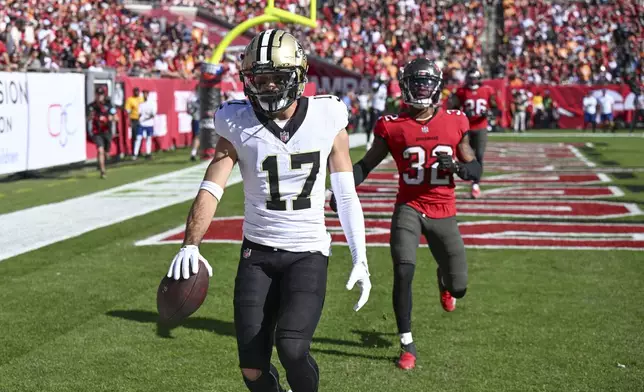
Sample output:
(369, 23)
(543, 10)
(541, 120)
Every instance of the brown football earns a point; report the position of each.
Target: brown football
(178, 299)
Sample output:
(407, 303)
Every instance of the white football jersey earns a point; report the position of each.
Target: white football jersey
(590, 104)
(284, 170)
(607, 103)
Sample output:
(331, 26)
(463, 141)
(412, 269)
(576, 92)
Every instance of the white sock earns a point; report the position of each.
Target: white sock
(137, 145)
(148, 145)
(194, 152)
(405, 338)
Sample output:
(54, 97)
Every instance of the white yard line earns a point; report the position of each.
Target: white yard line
(26, 230)
(580, 156)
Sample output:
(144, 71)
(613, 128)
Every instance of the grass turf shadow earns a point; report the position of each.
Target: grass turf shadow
(367, 339)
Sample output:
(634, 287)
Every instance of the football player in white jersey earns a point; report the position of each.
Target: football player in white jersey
(282, 142)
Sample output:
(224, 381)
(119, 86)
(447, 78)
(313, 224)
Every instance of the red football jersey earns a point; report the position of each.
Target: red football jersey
(478, 102)
(100, 113)
(414, 147)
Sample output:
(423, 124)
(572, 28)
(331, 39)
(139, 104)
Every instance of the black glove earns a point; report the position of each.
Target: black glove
(333, 204)
(446, 163)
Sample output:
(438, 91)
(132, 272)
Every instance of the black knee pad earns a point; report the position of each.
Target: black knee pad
(404, 272)
(302, 372)
(292, 351)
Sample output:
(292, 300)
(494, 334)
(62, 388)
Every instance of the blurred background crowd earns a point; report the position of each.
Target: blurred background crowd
(534, 41)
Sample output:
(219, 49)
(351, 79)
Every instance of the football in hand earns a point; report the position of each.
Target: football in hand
(178, 299)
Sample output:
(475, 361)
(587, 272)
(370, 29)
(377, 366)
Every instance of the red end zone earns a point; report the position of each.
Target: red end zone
(391, 178)
(530, 156)
(520, 208)
(524, 166)
(525, 189)
(499, 167)
(485, 234)
(579, 192)
(368, 192)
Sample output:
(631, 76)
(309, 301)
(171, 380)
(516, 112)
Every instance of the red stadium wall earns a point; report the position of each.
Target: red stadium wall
(167, 106)
(165, 90)
(568, 101)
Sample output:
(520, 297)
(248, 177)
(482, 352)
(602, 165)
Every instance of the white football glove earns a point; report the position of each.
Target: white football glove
(185, 261)
(360, 275)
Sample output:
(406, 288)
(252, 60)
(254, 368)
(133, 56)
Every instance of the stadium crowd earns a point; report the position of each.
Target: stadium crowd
(569, 42)
(92, 34)
(378, 37)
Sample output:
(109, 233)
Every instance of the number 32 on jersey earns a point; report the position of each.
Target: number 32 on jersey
(303, 201)
(417, 157)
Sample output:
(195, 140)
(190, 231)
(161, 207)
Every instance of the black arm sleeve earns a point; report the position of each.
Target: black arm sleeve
(470, 171)
(360, 172)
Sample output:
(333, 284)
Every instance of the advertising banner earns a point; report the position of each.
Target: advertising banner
(14, 122)
(184, 120)
(568, 101)
(172, 125)
(166, 123)
(57, 125)
(329, 78)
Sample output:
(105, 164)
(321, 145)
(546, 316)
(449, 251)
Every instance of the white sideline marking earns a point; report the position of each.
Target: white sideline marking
(30, 229)
(581, 156)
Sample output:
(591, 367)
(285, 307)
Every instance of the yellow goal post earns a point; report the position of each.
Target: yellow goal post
(271, 14)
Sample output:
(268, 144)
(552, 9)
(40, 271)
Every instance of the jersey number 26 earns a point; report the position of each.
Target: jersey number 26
(302, 201)
(417, 157)
(477, 107)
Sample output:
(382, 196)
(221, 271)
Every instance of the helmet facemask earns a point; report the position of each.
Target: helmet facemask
(272, 90)
(474, 80)
(421, 92)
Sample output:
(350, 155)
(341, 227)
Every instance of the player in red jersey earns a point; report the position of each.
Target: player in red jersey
(475, 100)
(101, 115)
(423, 140)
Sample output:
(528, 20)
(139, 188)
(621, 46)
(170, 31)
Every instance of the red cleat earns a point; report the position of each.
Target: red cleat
(476, 191)
(208, 154)
(447, 301)
(407, 361)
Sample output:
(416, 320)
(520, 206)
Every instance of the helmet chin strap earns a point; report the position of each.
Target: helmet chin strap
(282, 103)
(421, 105)
(273, 104)
(279, 105)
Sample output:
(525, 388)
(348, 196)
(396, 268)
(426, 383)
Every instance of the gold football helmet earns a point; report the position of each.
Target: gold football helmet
(273, 71)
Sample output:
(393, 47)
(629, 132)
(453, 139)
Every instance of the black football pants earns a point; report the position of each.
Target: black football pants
(278, 299)
(446, 245)
(478, 142)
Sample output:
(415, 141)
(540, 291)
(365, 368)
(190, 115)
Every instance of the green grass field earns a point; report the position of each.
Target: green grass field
(80, 315)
